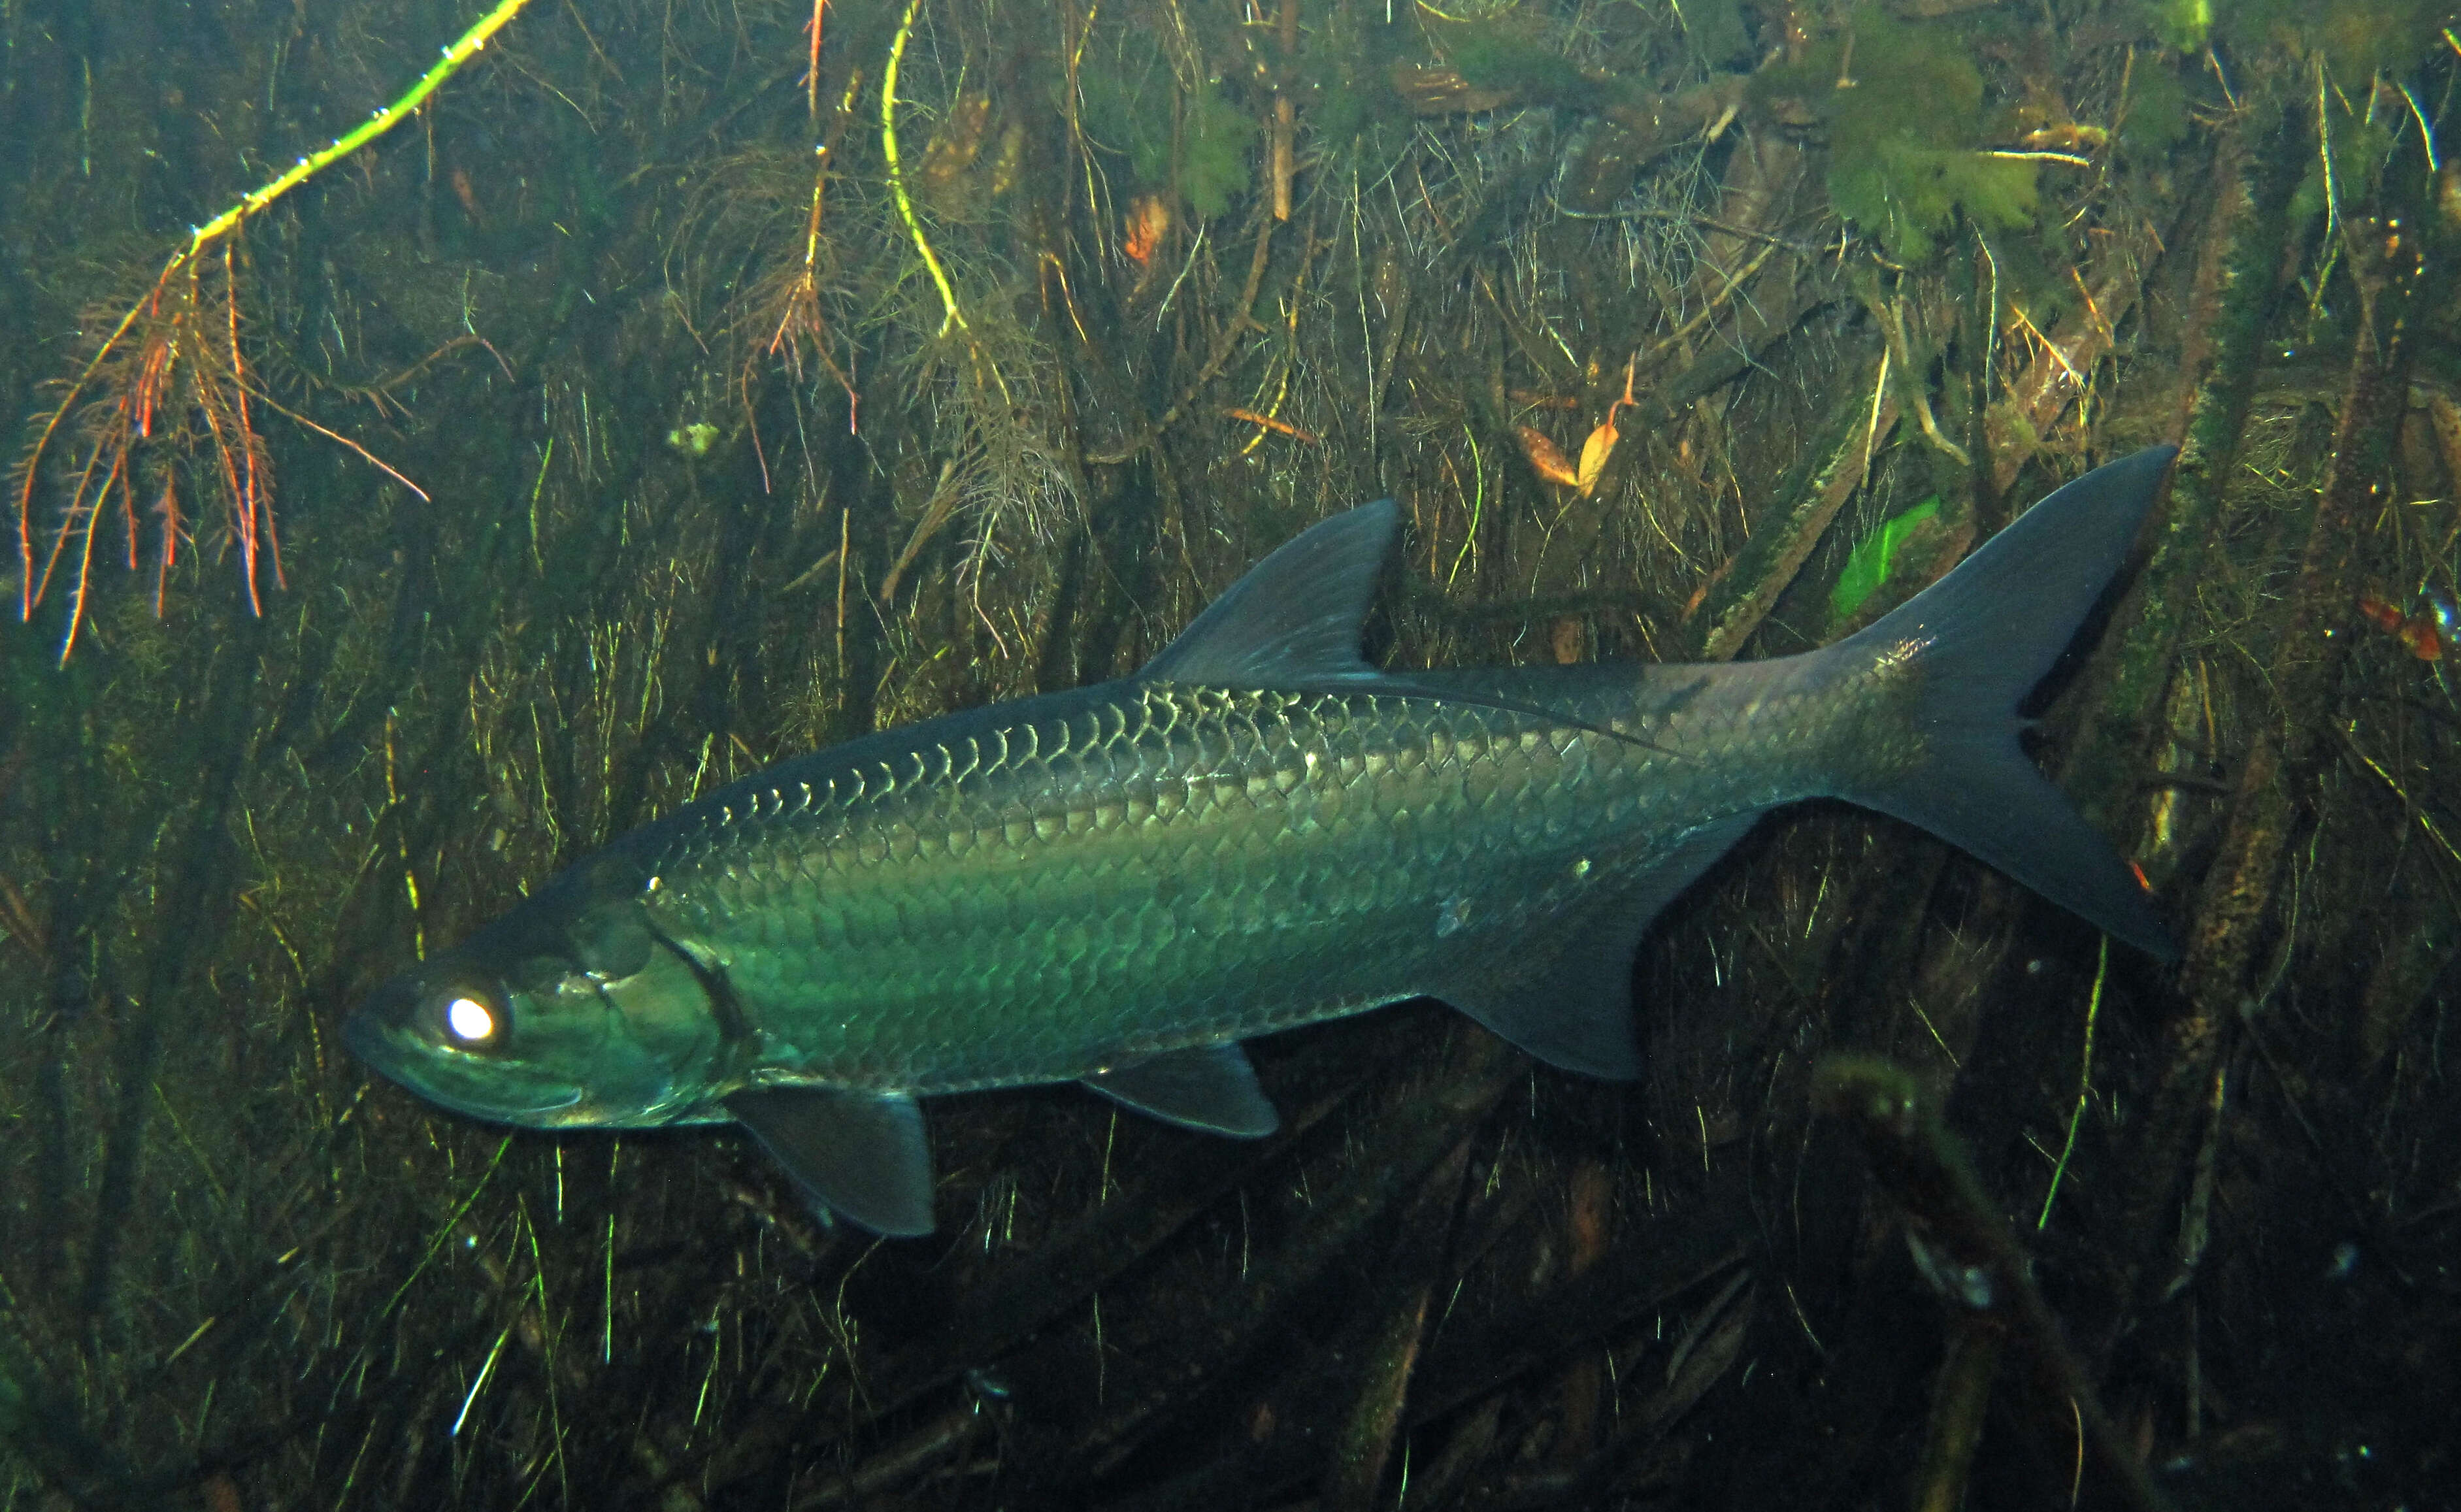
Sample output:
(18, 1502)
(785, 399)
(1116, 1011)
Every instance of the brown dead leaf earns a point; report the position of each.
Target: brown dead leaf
(1545, 457)
(1594, 453)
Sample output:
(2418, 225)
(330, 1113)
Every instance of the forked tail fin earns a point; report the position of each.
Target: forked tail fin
(1981, 637)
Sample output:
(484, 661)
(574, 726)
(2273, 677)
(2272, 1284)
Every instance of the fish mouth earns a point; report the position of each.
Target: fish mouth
(493, 1109)
(497, 1112)
(453, 1079)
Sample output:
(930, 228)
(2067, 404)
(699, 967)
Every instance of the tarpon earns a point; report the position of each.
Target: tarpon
(1118, 884)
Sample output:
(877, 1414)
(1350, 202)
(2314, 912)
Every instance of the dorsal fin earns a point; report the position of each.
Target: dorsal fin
(1293, 623)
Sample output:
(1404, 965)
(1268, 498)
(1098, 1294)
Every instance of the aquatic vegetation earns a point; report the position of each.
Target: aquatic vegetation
(1507, 58)
(175, 356)
(2181, 25)
(2156, 107)
(1910, 138)
(163, 408)
(2354, 39)
(1198, 144)
(1346, 70)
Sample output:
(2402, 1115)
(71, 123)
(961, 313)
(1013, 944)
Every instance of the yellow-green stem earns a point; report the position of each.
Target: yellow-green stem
(463, 49)
(897, 171)
(2085, 1084)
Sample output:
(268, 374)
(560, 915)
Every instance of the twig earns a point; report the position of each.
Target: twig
(462, 49)
(2085, 1083)
(339, 439)
(1732, 605)
(1239, 326)
(1963, 1242)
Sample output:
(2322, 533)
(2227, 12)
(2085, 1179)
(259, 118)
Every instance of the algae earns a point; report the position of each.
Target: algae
(1198, 145)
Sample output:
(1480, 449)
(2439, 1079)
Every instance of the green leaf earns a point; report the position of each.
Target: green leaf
(1867, 567)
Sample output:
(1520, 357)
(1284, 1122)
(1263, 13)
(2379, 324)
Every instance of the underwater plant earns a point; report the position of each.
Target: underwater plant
(1901, 107)
(166, 391)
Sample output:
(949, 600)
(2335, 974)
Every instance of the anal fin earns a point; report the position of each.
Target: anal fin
(1572, 1006)
(861, 1156)
(1211, 1087)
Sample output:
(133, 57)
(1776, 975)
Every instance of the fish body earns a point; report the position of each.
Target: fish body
(1117, 885)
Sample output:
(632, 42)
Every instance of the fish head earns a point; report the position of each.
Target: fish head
(567, 1012)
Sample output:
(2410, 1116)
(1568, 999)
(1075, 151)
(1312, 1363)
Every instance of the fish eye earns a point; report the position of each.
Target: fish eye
(471, 1022)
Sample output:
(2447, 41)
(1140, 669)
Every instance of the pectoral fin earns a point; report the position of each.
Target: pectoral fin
(1213, 1088)
(859, 1154)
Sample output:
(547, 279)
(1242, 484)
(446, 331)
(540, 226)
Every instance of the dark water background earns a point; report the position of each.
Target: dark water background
(700, 448)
